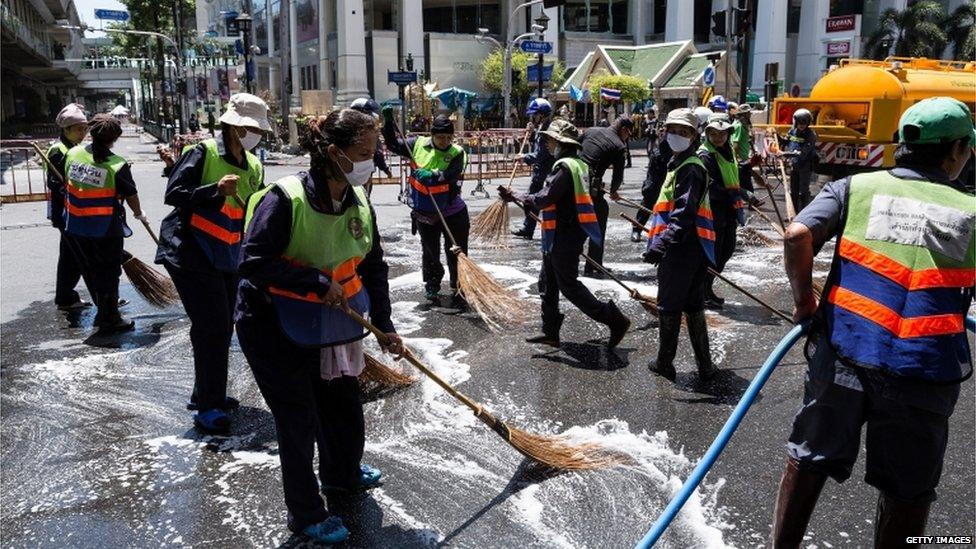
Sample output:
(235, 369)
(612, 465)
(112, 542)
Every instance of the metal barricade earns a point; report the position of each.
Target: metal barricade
(22, 178)
(491, 155)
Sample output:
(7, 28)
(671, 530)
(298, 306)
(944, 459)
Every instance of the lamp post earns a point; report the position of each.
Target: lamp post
(541, 25)
(244, 21)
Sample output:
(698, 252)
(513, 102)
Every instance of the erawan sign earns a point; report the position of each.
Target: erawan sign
(841, 23)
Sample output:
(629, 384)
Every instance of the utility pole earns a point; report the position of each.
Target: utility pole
(177, 12)
(284, 56)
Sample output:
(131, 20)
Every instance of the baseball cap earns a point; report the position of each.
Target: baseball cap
(936, 120)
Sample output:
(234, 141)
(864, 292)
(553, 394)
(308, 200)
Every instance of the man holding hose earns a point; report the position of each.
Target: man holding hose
(887, 345)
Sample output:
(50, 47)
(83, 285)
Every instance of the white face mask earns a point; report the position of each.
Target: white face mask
(249, 140)
(678, 143)
(361, 171)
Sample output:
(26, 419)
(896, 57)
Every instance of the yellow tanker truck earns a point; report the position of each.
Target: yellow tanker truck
(856, 107)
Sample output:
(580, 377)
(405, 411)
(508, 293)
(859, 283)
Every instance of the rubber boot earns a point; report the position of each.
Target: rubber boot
(698, 332)
(897, 519)
(617, 322)
(550, 331)
(799, 490)
(108, 319)
(668, 331)
(712, 301)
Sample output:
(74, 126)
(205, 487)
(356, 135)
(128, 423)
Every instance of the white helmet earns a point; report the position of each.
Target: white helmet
(702, 113)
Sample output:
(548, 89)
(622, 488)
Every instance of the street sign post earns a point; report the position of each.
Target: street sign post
(708, 76)
(112, 15)
(401, 78)
(536, 46)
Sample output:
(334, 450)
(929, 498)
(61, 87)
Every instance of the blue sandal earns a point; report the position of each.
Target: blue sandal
(369, 477)
(214, 420)
(329, 531)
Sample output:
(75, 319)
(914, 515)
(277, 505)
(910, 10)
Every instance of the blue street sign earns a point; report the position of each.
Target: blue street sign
(535, 46)
(112, 15)
(708, 76)
(401, 78)
(532, 73)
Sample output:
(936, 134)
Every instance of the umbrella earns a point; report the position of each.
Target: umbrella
(119, 110)
(454, 98)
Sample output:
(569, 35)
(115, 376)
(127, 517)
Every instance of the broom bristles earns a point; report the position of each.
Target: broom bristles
(154, 287)
(494, 303)
(559, 452)
(491, 225)
(755, 238)
(380, 374)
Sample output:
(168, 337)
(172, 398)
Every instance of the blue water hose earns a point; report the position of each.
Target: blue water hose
(731, 424)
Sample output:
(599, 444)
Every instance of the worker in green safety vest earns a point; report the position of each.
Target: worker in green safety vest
(889, 344)
(311, 245)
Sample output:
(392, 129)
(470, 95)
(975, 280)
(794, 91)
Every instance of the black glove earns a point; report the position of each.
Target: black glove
(505, 194)
(652, 256)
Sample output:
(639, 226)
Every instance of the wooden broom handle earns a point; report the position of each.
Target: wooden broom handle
(516, 163)
(717, 274)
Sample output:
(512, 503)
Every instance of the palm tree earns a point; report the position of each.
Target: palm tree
(914, 32)
(961, 30)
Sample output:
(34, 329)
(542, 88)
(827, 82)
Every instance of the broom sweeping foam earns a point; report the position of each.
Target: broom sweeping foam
(491, 225)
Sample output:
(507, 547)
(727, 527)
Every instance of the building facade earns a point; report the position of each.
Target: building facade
(41, 62)
(347, 46)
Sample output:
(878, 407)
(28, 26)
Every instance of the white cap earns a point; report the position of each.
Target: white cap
(702, 113)
(245, 109)
(71, 114)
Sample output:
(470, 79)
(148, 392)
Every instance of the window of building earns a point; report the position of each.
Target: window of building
(793, 17)
(703, 21)
(660, 15)
(261, 29)
(596, 16)
(462, 16)
(309, 77)
(275, 23)
(380, 14)
(846, 7)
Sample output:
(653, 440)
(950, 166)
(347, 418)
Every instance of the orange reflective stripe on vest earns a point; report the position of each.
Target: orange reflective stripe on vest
(203, 224)
(232, 212)
(433, 189)
(90, 193)
(904, 276)
(344, 274)
(83, 211)
(903, 327)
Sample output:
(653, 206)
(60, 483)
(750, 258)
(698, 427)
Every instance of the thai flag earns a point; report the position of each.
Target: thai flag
(609, 94)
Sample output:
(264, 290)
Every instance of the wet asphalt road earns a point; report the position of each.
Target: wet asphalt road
(97, 450)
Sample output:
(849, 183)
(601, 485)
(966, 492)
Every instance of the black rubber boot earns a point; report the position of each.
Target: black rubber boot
(617, 322)
(108, 319)
(897, 520)
(799, 490)
(698, 332)
(550, 331)
(668, 331)
(523, 233)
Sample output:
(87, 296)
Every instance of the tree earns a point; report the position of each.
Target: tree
(492, 74)
(960, 27)
(632, 89)
(914, 32)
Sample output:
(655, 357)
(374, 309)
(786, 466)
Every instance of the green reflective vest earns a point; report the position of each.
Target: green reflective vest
(90, 199)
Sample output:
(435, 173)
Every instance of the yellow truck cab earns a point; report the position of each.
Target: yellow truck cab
(856, 107)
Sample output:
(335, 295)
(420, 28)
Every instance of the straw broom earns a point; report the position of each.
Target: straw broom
(719, 275)
(491, 225)
(493, 302)
(155, 287)
(381, 374)
(556, 452)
